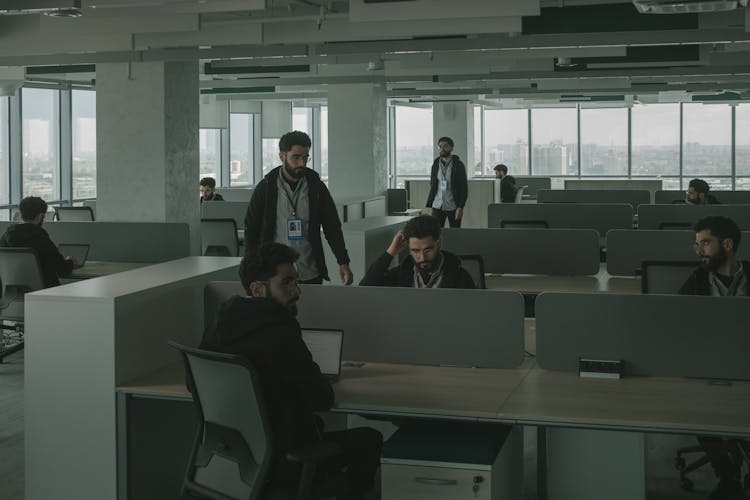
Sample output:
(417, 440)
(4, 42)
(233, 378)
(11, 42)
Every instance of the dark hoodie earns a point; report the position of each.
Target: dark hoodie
(33, 236)
(459, 183)
(454, 276)
(266, 333)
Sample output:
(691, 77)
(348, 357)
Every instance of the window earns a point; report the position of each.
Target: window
(506, 140)
(209, 144)
(742, 141)
(324, 143)
(41, 143)
(706, 140)
(415, 147)
(271, 158)
(604, 142)
(655, 132)
(302, 120)
(4, 156)
(554, 141)
(716, 183)
(241, 149)
(478, 165)
(83, 120)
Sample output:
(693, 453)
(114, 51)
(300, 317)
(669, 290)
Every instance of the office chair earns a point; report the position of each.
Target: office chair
(20, 273)
(739, 452)
(233, 447)
(474, 265)
(675, 225)
(75, 214)
(664, 276)
(519, 194)
(219, 238)
(523, 224)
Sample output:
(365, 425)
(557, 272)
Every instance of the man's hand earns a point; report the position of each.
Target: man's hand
(459, 213)
(398, 244)
(429, 210)
(346, 274)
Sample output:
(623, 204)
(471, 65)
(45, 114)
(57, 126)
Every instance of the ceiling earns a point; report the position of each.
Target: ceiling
(510, 53)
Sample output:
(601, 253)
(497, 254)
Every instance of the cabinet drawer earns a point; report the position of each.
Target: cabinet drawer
(413, 482)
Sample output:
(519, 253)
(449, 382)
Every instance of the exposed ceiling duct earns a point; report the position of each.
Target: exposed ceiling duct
(683, 6)
(54, 8)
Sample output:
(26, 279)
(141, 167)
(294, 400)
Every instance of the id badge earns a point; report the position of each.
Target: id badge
(443, 185)
(294, 229)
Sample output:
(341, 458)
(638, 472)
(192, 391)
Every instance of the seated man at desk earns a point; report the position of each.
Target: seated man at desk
(427, 265)
(29, 233)
(508, 187)
(208, 190)
(697, 193)
(263, 328)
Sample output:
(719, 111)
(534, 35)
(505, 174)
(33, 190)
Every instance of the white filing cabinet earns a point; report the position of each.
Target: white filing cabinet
(453, 461)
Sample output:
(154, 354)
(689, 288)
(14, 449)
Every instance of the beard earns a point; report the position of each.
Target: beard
(296, 173)
(445, 154)
(715, 261)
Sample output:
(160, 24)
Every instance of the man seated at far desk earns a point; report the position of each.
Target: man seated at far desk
(427, 265)
(208, 190)
(720, 274)
(263, 329)
(29, 233)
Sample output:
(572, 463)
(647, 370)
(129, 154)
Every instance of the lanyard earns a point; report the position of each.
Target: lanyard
(294, 199)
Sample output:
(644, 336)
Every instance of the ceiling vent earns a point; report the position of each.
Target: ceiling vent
(54, 8)
(684, 6)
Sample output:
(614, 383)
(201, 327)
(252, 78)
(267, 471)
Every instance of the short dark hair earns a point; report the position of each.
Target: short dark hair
(263, 264)
(700, 186)
(501, 168)
(291, 139)
(422, 227)
(446, 139)
(721, 227)
(31, 206)
(208, 181)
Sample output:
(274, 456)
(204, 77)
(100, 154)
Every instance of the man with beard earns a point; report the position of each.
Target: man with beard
(449, 188)
(290, 205)
(29, 233)
(697, 193)
(720, 274)
(427, 265)
(208, 190)
(508, 189)
(263, 329)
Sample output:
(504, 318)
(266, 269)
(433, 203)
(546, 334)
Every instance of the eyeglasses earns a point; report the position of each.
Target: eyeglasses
(285, 284)
(296, 157)
(703, 244)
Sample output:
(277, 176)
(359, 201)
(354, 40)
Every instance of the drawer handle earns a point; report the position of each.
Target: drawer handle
(435, 481)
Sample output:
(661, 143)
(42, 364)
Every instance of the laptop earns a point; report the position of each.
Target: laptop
(78, 251)
(325, 347)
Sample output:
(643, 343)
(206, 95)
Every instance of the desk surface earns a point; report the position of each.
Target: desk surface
(94, 269)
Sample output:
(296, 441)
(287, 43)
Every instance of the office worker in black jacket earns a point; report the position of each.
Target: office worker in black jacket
(449, 187)
(427, 266)
(289, 206)
(263, 328)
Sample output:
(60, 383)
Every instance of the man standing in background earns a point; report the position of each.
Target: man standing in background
(449, 187)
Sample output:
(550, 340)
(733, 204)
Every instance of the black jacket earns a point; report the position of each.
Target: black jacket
(699, 284)
(267, 335)
(260, 220)
(51, 262)
(459, 183)
(454, 276)
(216, 197)
(508, 189)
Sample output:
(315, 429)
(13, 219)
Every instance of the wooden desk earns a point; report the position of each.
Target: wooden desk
(94, 269)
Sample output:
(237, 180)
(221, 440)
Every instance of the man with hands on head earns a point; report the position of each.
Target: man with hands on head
(427, 266)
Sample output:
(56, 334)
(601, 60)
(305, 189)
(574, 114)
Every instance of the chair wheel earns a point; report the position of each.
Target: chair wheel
(686, 484)
(679, 463)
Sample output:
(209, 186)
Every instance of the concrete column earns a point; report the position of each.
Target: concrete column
(357, 148)
(147, 143)
(456, 120)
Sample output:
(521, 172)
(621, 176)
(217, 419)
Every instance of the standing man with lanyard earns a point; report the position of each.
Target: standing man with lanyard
(289, 206)
(448, 185)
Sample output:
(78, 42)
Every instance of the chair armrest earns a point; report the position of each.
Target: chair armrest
(314, 453)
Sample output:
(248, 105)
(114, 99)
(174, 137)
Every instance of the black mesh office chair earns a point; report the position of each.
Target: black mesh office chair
(234, 447)
(76, 214)
(474, 265)
(20, 273)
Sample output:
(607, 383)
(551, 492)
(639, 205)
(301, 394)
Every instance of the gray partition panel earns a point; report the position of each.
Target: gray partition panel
(600, 217)
(632, 197)
(123, 241)
(533, 184)
(652, 216)
(215, 294)
(657, 335)
(225, 210)
(724, 197)
(407, 325)
(236, 194)
(558, 252)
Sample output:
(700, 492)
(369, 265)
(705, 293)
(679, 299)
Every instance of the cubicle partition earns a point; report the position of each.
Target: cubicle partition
(724, 197)
(684, 216)
(600, 217)
(650, 185)
(627, 249)
(123, 241)
(533, 185)
(557, 252)
(225, 210)
(632, 197)
(236, 194)
(481, 194)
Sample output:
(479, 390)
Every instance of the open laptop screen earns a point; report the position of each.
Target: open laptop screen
(78, 251)
(325, 347)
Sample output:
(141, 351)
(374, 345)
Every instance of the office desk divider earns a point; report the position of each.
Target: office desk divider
(631, 197)
(556, 252)
(236, 194)
(471, 328)
(600, 217)
(626, 249)
(225, 210)
(725, 197)
(654, 335)
(653, 216)
(124, 241)
(533, 185)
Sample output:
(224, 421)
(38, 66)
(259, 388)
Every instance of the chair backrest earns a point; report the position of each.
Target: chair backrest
(665, 276)
(77, 214)
(219, 237)
(20, 272)
(523, 224)
(474, 265)
(519, 193)
(675, 225)
(233, 447)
